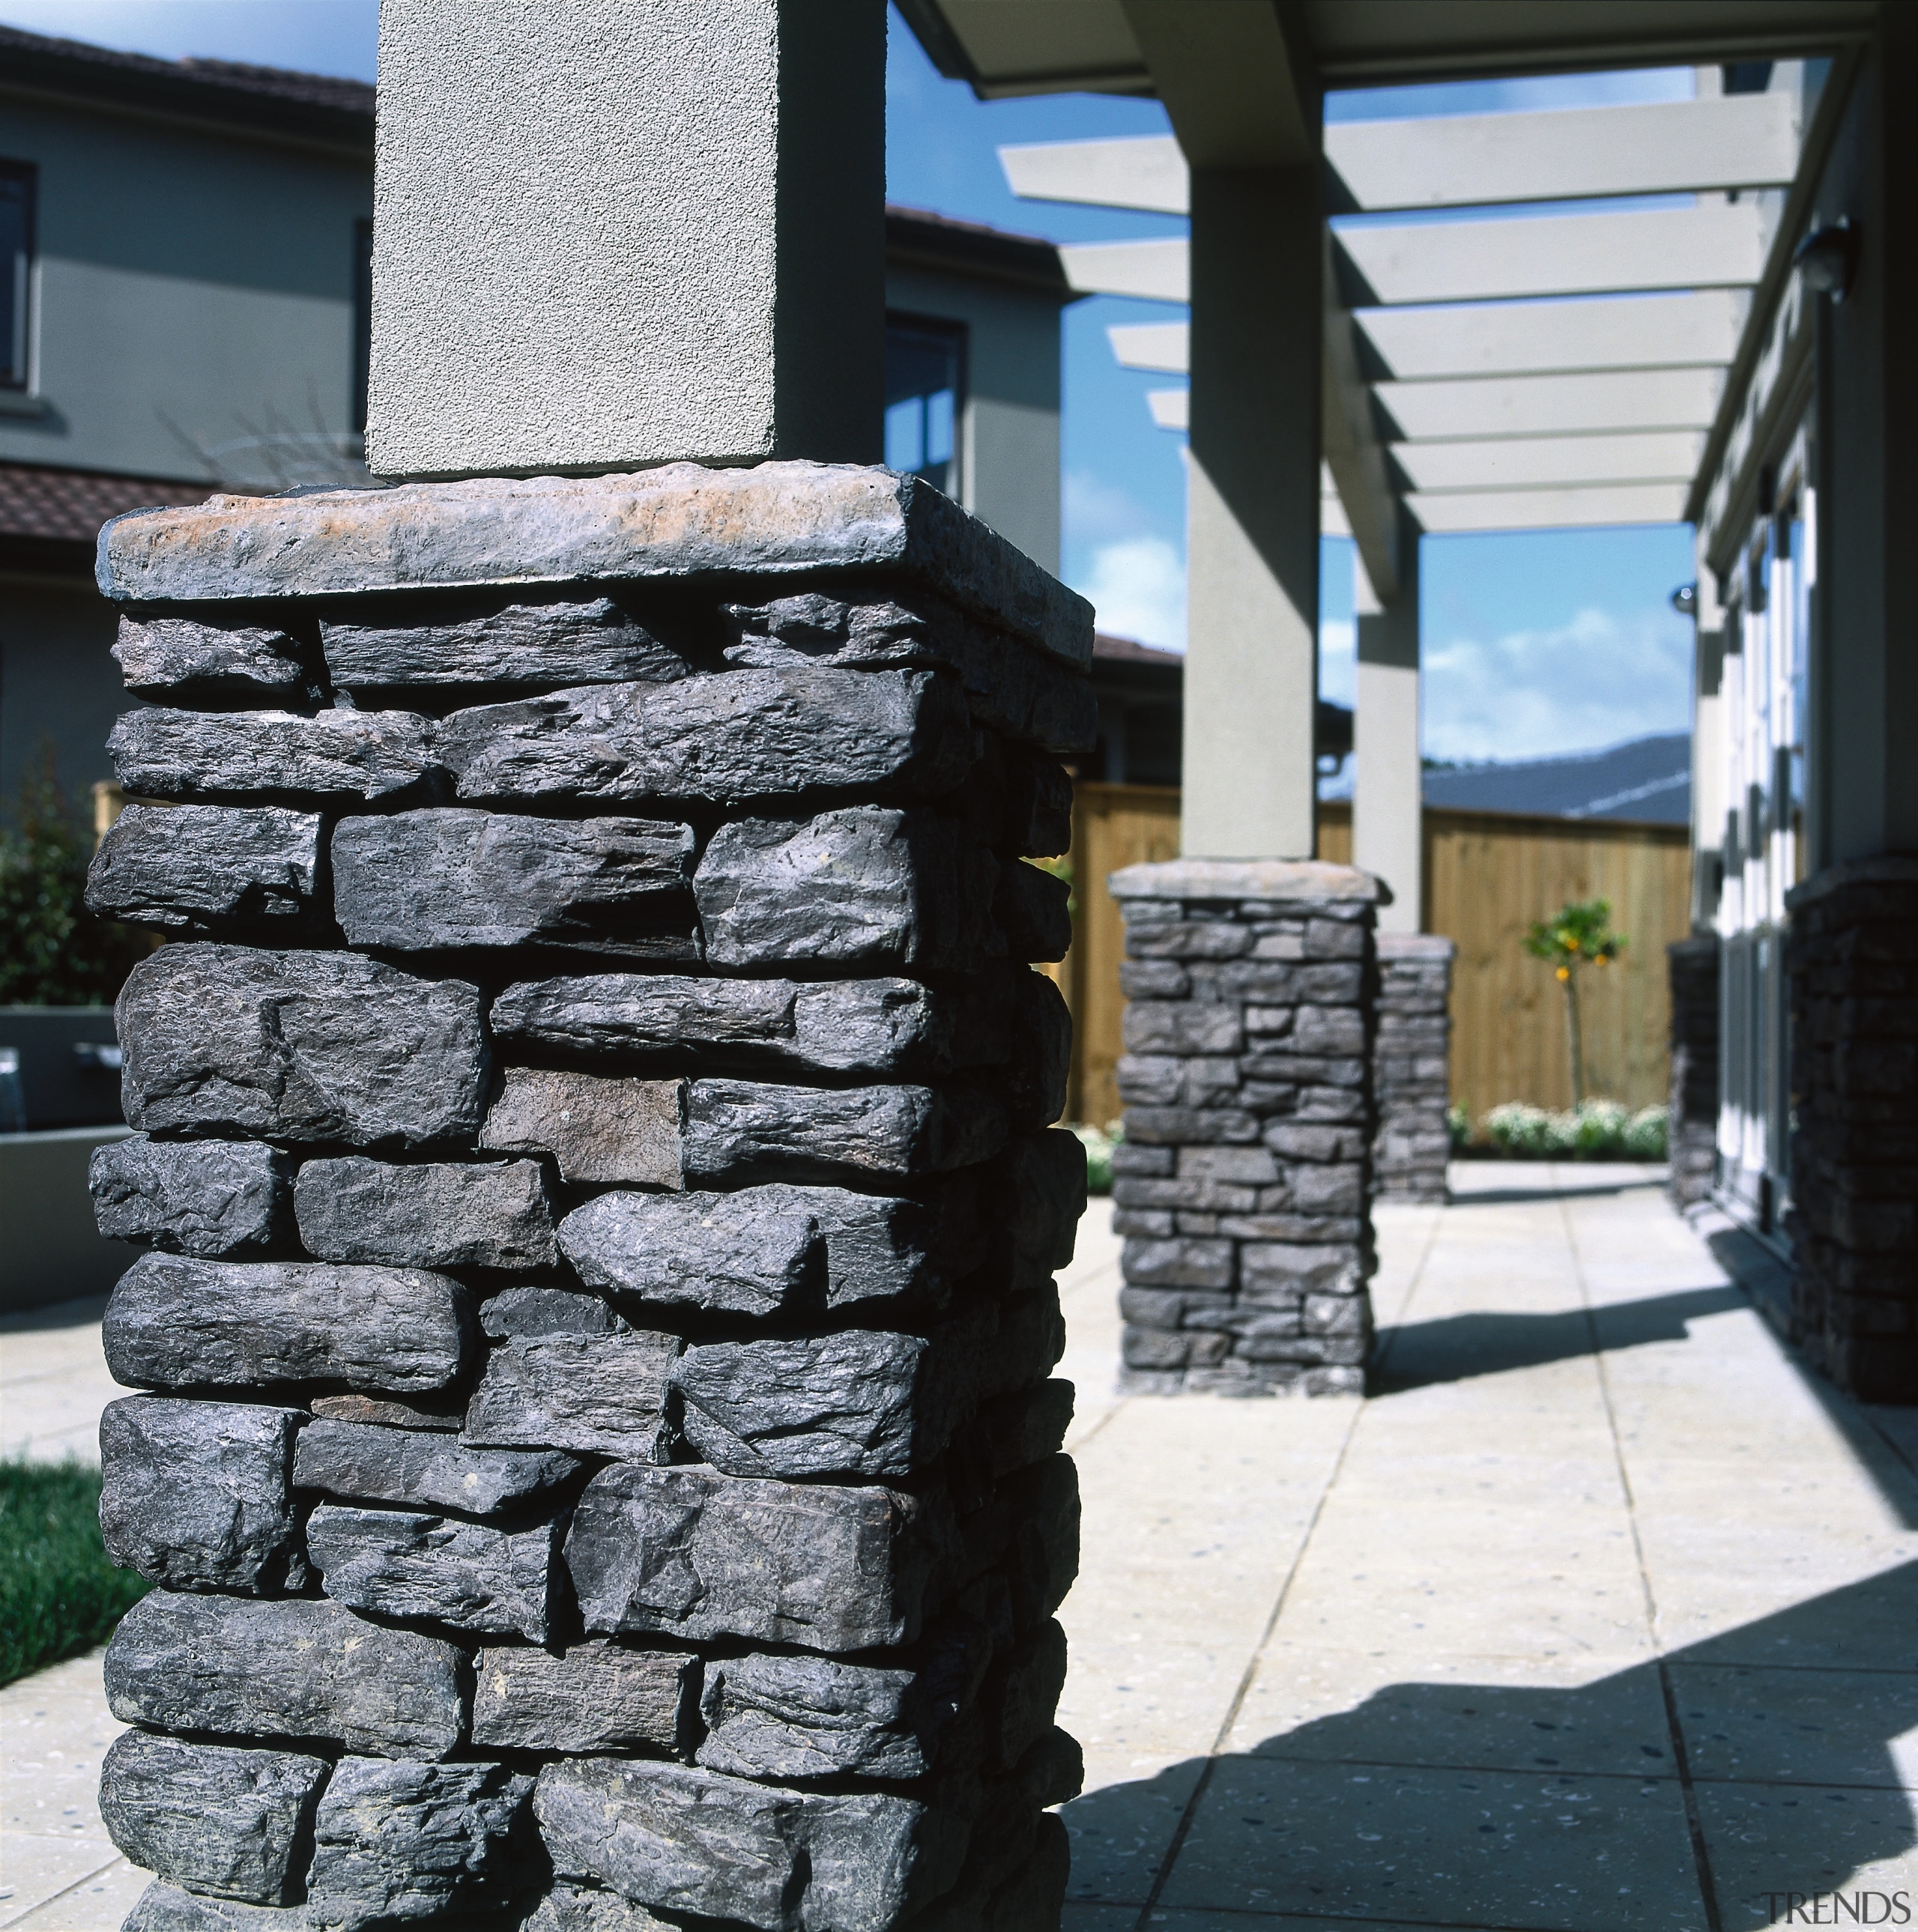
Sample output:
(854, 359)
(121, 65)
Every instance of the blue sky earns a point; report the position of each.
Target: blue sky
(1534, 644)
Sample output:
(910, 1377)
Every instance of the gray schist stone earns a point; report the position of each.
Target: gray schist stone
(186, 868)
(223, 1820)
(596, 1129)
(299, 1046)
(368, 1463)
(238, 754)
(405, 1564)
(585, 641)
(1027, 694)
(721, 736)
(856, 1404)
(534, 1311)
(407, 1841)
(736, 1129)
(1029, 908)
(576, 1908)
(595, 1697)
(295, 1669)
(1043, 1176)
(420, 881)
(681, 521)
(757, 1251)
(791, 1719)
(177, 1323)
(868, 886)
(1022, 1693)
(494, 1214)
(387, 1413)
(203, 664)
(694, 1554)
(878, 1026)
(596, 1394)
(166, 1908)
(197, 1495)
(211, 1198)
(684, 1840)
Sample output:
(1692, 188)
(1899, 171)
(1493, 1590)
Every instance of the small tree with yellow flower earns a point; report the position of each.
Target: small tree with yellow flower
(1579, 936)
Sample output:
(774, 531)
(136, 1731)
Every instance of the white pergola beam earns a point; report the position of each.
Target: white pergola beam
(1466, 160)
(1146, 172)
(1651, 331)
(1469, 339)
(1389, 263)
(1171, 408)
(1462, 160)
(1622, 401)
(1448, 513)
(1531, 463)
(1719, 245)
(1151, 270)
(1165, 347)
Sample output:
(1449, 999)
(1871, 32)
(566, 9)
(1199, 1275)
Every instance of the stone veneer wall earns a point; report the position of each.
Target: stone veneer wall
(598, 1457)
(1691, 1126)
(1852, 953)
(1412, 1065)
(1242, 1182)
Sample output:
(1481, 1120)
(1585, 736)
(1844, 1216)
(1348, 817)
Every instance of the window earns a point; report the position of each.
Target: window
(925, 398)
(362, 321)
(16, 199)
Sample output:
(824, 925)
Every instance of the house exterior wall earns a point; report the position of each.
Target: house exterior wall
(1009, 448)
(58, 686)
(195, 292)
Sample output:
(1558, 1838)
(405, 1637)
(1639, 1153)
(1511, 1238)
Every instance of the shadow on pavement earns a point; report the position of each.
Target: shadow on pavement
(56, 1314)
(1700, 1791)
(1454, 1347)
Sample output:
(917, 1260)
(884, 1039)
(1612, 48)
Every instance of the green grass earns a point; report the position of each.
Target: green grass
(58, 1594)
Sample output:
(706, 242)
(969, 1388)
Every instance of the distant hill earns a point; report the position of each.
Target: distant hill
(1649, 779)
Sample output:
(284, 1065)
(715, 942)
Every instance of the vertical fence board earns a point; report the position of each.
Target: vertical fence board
(1488, 876)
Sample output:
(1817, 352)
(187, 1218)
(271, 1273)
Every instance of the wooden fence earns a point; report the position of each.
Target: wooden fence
(1488, 876)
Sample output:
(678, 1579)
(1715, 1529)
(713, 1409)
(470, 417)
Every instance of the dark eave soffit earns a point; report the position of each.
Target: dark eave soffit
(1004, 48)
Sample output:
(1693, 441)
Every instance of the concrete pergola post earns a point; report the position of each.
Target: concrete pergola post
(607, 236)
(596, 1446)
(1252, 654)
(1388, 793)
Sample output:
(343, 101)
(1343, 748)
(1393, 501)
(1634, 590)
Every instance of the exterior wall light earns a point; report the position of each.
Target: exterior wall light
(1828, 258)
(1685, 600)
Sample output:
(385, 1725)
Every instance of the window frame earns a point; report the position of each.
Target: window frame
(957, 332)
(21, 381)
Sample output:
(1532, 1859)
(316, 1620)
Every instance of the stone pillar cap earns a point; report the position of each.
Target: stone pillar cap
(1247, 879)
(775, 520)
(1415, 946)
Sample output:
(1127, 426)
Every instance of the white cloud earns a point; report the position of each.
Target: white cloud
(1598, 680)
(1137, 586)
(1095, 511)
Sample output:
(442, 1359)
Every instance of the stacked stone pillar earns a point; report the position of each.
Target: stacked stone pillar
(1692, 1117)
(1242, 1184)
(596, 1445)
(1412, 1066)
(1852, 957)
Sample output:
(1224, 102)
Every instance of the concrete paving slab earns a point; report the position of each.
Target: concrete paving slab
(1525, 1713)
(58, 1867)
(1798, 1726)
(1581, 1853)
(53, 1382)
(1767, 1842)
(1121, 1829)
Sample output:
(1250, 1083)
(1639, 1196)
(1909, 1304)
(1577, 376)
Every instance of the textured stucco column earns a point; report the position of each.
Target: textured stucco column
(608, 234)
(1252, 651)
(1388, 794)
(1243, 1185)
(597, 1448)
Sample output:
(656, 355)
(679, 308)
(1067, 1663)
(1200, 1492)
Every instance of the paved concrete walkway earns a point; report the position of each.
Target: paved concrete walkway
(1600, 1616)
